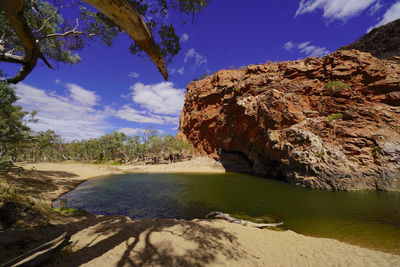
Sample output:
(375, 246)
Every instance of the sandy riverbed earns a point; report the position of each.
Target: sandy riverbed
(120, 241)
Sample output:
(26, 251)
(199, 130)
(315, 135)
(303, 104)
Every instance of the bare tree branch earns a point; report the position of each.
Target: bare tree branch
(73, 31)
(2, 40)
(44, 24)
(65, 34)
(10, 58)
(42, 57)
(229, 218)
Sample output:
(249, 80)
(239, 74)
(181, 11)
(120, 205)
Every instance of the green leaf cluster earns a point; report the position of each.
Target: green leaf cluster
(337, 116)
(334, 87)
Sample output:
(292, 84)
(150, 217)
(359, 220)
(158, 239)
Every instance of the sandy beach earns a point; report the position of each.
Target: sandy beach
(120, 241)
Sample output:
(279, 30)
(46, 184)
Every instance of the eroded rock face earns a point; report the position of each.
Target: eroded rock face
(283, 120)
(382, 42)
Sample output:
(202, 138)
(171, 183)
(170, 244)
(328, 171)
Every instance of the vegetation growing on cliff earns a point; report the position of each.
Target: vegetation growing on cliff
(337, 116)
(334, 87)
(236, 89)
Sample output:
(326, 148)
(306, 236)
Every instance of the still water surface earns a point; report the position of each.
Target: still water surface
(367, 218)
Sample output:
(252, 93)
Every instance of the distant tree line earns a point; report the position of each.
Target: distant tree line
(18, 143)
(114, 148)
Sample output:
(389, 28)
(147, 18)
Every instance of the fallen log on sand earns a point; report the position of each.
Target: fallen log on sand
(41, 254)
(229, 218)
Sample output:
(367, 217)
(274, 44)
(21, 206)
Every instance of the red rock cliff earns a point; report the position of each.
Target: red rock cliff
(331, 122)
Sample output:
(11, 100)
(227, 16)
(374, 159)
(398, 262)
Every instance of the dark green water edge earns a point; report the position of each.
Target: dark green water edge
(366, 218)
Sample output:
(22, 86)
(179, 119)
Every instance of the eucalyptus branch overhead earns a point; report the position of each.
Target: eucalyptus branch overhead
(31, 30)
(13, 10)
(121, 12)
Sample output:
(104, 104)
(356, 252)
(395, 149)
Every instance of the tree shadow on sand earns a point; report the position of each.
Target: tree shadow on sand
(149, 242)
(33, 182)
(118, 239)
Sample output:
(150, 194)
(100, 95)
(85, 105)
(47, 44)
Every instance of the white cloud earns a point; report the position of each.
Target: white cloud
(307, 49)
(289, 46)
(129, 113)
(76, 116)
(184, 38)
(375, 8)
(160, 98)
(135, 131)
(131, 131)
(172, 71)
(334, 9)
(159, 104)
(181, 70)
(312, 50)
(391, 14)
(64, 114)
(134, 75)
(192, 54)
(81, 95)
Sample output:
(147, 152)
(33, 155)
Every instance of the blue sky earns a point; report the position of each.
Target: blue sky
(112, 90)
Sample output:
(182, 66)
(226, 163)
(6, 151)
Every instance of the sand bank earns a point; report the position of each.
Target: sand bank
(110, 241)
(120, 241)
